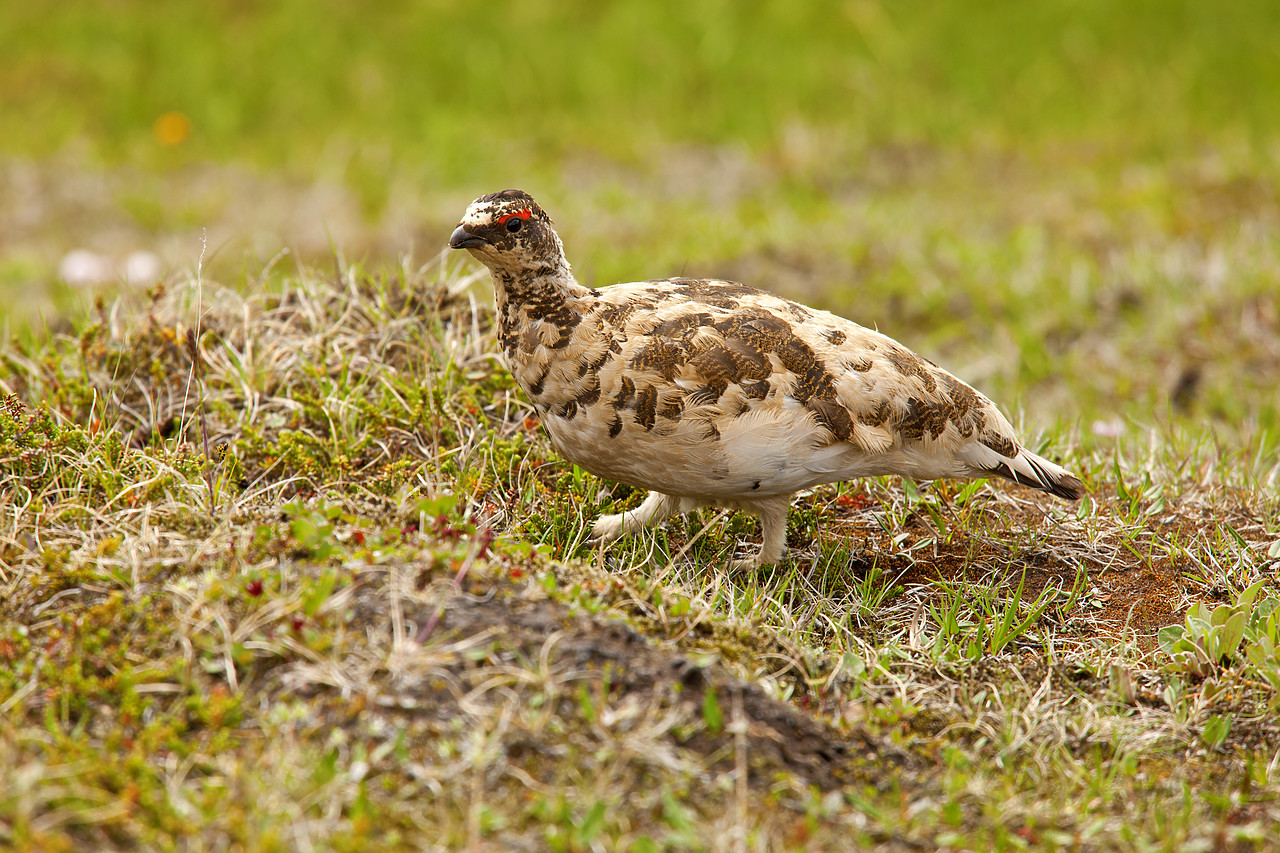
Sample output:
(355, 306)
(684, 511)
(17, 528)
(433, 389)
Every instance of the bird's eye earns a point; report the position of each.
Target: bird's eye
(514, 220)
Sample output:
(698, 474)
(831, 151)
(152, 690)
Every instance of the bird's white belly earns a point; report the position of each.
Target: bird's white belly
(757, 454)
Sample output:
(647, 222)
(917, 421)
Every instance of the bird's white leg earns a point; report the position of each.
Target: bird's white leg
(655, 508)
(773, 532)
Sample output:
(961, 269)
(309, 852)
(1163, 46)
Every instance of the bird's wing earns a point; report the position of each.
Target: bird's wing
(720, 350)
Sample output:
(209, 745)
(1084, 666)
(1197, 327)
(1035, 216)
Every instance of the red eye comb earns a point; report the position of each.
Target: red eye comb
(523, 214)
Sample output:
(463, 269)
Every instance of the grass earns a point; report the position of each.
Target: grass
(287, 563)
(813, 134)
(366, 617)
(282, 83)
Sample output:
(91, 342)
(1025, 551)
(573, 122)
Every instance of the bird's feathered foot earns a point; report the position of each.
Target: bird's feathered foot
(657, 507)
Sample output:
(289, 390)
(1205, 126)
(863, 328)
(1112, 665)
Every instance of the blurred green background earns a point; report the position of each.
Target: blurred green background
(1073, 204)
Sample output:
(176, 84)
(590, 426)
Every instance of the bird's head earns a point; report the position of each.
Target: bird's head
(509, 231)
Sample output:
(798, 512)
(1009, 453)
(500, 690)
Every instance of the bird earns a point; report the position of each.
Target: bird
(713, 393)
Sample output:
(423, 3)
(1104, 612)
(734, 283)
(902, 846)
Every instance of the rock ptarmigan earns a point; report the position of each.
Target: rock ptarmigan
(710, 392)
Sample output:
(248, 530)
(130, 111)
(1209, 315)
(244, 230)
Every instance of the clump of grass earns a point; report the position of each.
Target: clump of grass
(382, 600)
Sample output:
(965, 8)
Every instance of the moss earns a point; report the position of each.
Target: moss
(376, 608)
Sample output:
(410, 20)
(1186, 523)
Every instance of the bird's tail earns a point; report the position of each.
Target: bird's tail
(1025, 468)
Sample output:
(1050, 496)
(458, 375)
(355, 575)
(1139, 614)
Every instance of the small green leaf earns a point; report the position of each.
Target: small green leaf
(971, 488)
(592, 823)
(319, 593)
(1231, 635)
(304, 530)
(434, 508)
(675, 815)
(912, 491)
(585, 703)
(711, 713)
(1215, 731)
(327, 769)
(1170, 636)
(644, 844)
(854, 664)
(1245, 601)
(1261, 653)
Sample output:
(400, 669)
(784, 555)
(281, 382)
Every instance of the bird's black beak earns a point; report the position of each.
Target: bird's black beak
(464, 239)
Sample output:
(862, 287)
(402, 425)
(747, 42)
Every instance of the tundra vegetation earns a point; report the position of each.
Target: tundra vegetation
(287, 563)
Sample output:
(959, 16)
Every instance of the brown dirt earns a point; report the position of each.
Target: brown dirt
(1124, 593)
(551, 636)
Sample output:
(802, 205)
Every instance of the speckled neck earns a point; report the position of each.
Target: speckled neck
(548, 294)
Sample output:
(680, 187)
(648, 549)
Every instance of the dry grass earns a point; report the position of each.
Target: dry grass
(364, 618)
